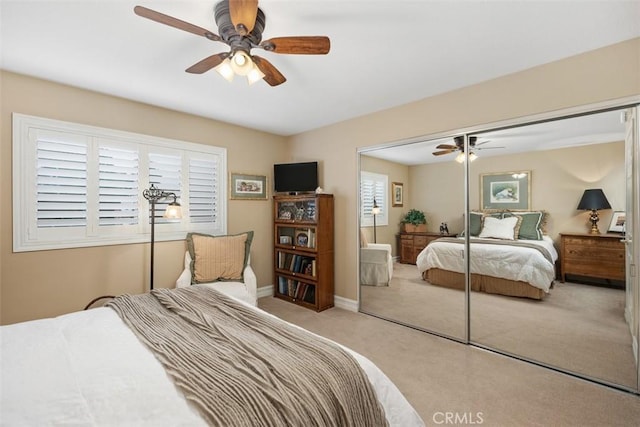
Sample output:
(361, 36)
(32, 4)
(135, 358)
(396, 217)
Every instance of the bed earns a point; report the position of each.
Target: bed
(123, 364)
(510, 255)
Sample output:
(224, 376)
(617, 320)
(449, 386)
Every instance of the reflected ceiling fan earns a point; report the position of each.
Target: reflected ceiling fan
(459, 146)
(240, 25)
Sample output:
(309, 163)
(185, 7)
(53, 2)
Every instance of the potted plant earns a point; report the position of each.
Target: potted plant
(414, 221)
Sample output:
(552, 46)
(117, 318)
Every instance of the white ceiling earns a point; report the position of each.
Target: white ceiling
(384, 53)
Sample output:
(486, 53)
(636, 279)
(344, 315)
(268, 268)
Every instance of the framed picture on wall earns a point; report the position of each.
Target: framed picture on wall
(505, 190)
(397, 194)
(248, 187)
(618, 220)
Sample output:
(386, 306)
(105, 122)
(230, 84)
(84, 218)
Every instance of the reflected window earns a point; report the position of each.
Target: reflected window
(374, 188)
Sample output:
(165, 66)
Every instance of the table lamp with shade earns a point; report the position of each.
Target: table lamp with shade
(594, 200)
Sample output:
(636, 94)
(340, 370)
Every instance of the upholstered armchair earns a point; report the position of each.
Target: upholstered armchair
(244, 291)
(376, 263)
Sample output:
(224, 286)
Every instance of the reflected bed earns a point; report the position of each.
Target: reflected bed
(522, 268)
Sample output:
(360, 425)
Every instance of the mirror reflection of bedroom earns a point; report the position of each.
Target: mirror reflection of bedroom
(547, 206)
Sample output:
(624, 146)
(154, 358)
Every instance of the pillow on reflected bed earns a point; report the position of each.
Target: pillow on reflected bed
(496, 228)
(531, 227)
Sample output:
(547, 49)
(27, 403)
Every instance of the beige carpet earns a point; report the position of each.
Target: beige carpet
(437, 375)
(577, 327)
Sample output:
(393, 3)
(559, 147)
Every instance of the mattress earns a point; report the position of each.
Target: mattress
(88, 368)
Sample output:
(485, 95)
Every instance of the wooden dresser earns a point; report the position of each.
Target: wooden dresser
(411, 244)
(599, 256)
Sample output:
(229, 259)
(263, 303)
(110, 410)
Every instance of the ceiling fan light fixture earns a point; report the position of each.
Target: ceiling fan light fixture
(460, 158)
(241, 63)
(225, 70)
(254, 75)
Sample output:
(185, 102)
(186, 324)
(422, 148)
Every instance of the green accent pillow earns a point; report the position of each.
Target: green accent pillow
(475, 223)
(229, 267)
(531, 227)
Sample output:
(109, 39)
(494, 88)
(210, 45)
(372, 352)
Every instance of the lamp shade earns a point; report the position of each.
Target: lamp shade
(173, 211)
(593, 199)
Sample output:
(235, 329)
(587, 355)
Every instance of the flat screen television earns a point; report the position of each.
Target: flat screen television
(295, 177)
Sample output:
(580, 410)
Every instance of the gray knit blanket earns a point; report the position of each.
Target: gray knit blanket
(241, 367)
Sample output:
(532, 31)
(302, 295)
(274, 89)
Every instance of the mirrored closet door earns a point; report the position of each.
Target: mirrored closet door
(409, 188)
(549, 261)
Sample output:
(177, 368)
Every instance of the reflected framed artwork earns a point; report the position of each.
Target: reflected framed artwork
(618, 220)
(397, 194)
(505, 190)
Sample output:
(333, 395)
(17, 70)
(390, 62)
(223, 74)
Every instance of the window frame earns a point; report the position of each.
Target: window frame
(27, 236)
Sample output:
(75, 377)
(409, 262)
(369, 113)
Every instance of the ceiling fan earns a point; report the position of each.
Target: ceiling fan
(240, 25)
(459, 146)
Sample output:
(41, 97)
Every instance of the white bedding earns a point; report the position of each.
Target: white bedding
(504, 261)
(88, 368)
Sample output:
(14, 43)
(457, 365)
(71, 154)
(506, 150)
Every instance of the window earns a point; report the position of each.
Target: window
(373, 186)
(77, 185)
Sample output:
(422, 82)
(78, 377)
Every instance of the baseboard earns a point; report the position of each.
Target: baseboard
(345, 303)
(265, 291)
(340, 302)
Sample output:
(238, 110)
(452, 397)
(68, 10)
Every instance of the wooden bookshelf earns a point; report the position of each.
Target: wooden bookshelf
(303, 250)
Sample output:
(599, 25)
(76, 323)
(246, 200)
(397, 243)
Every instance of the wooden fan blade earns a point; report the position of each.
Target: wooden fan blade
(208, 63)
(446, 147)
(175, 23)
(271, 73)
(304, 45)
(243, 15)
(440, 153)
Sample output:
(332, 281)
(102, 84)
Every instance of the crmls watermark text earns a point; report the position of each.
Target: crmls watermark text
(457, 418)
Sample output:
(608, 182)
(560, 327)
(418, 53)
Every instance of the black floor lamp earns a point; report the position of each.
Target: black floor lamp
(173, 211)
(375, 211)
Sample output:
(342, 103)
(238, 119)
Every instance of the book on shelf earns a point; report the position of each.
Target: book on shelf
(282, 285)
(309, 294)
(291, 287)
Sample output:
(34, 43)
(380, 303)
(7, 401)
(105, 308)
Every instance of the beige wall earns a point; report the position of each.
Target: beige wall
(558, 179)
(48, 283)
(39, 284)
(396, 173)
(604, 74)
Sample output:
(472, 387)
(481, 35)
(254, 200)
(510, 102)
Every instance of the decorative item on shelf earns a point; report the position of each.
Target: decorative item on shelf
(285, 240)
(173, 211)
(444, 228)
(618, 220)
(594, 200)
(414, 221)
(302, 238)
(375, 211)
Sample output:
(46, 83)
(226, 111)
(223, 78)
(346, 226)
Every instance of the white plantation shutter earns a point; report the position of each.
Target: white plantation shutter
(76, 185)
(61, 183)
(203, 190)
(373, 186)
(165, 172)
(118, 186)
